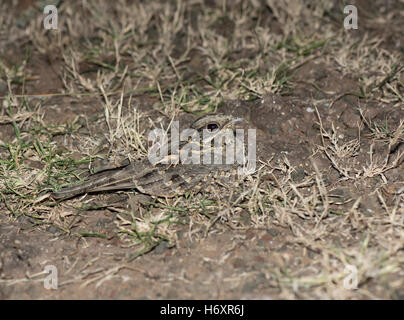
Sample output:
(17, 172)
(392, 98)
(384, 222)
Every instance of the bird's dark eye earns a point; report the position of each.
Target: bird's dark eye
(212, 127)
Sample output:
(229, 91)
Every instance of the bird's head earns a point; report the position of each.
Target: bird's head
(215, 122)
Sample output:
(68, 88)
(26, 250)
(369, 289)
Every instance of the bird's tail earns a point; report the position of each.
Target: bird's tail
(114, 179)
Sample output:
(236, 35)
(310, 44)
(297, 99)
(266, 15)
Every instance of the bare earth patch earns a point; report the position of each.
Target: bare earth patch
(327, 105)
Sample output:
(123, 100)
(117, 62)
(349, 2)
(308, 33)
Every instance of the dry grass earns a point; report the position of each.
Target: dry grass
(189, 57)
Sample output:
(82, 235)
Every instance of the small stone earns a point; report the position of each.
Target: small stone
(161, 247)
(52, 229)
(273, 232)
(298, 175)
(274, 130)
(172, 294)
(249, 286)
(239, 263)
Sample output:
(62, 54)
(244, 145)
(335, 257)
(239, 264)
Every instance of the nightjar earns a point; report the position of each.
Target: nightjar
(209, 150)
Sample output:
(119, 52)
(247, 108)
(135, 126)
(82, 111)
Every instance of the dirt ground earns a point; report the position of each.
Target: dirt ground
(324, 206)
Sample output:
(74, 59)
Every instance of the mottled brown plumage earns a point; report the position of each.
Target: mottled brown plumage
(163, 180)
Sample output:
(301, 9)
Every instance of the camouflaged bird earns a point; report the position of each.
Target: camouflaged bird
(173, 177)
